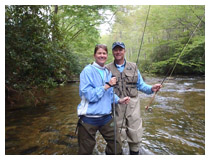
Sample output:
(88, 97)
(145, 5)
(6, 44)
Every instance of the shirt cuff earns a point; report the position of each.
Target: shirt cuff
(116, 99)
(151, 90)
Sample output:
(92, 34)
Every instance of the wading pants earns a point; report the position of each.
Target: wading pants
(87, 134)
(132, 123)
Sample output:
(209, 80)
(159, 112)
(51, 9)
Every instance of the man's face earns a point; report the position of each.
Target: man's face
(118, 53)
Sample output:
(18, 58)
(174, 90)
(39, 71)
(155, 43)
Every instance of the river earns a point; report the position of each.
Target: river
(176, 125)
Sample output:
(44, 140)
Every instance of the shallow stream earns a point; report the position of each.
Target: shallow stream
(176, 125)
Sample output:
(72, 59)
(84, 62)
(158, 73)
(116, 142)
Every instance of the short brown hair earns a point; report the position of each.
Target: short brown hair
(103, 46)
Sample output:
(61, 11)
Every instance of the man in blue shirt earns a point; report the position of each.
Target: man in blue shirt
(129, 82)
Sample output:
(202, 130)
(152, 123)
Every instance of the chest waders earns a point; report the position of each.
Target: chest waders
(128, 116)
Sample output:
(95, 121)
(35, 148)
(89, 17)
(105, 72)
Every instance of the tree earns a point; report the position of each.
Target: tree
(79, 26)
(45, 43)
(168, 30)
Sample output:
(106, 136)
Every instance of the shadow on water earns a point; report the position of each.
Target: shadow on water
(45, 129)
(175, 126)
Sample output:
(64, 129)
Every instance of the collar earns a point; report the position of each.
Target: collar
(98, 66)
(121, 65)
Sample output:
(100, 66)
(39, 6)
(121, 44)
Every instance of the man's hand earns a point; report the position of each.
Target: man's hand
(124, 100)
(156, 87)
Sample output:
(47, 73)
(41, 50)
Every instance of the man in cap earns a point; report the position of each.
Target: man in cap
(129, 82)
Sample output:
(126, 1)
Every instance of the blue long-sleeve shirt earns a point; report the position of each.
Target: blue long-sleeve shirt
(95, 100)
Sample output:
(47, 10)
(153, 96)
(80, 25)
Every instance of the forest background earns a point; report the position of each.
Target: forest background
(46, 46)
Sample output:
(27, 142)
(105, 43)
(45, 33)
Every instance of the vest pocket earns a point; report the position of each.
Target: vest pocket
(131, 91)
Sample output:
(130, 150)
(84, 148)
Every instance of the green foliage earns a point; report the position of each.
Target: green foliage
(27, 46)
(168, 30)
(79, 26)
(49, 44)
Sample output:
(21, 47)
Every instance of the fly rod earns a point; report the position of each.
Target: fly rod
(114, 111)
(171, 70)
(137, 61)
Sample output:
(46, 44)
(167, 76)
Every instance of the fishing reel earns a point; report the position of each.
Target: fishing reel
(149, 109)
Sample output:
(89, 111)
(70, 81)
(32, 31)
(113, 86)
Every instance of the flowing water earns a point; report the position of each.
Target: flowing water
(176, 125)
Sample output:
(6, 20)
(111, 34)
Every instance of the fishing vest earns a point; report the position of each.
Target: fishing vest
(126, 80)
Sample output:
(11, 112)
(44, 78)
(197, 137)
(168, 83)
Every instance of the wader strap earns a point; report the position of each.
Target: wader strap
(77, 126)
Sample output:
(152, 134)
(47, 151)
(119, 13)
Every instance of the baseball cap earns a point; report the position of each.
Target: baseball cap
(121, 44)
